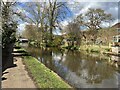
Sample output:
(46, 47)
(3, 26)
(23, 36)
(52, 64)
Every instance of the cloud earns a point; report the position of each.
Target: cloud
(114, 22)
(82, 7)
(64, 23)
(70, 1)
(21, 27)
(16, 0)
(86, 7)
(97, 0)
(108, 7)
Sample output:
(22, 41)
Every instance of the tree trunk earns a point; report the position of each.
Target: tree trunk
(51, 36)
(7, 57)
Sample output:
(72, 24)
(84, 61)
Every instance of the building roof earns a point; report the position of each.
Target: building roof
(117, 25)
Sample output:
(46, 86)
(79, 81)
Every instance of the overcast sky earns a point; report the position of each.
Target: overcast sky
(82, 7)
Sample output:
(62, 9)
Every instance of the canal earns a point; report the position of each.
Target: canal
(81, 70)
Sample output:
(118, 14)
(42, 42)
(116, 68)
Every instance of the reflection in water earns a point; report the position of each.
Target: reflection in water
(78, 69)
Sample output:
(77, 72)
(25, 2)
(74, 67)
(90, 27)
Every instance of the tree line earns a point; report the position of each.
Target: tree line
(45, 17)
(92, 20)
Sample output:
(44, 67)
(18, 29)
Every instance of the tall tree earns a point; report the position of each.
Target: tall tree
(73, 33)
(79, 20)
(34, 13)
(94, 19)
(56, 12)
(30, 32)
(9, 26)
(45, 15)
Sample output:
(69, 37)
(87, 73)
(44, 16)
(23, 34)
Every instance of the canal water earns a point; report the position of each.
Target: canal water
(81, 70)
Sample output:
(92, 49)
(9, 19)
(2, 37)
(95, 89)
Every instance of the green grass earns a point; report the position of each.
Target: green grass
(95, 48)
(43, 77)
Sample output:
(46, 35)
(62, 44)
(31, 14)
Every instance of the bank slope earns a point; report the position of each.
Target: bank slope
(43, 77)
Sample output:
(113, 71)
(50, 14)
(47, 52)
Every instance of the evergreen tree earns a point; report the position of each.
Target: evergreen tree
(9, 26)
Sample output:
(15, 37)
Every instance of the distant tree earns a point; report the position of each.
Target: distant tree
(30, 32)
(45, 15)
(79, 20)
(57, 40)
(73, 30)
(106, 35)
(94, 19)
(73, 33)
(34, 13)
(57, 11)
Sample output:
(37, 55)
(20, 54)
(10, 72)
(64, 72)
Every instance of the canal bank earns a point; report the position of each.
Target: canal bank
(40, 74)
(95, 48)
(43, 77)
(29, 73)
(79, 69)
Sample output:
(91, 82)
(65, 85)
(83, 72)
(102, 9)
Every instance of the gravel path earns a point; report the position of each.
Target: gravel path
(17, 77)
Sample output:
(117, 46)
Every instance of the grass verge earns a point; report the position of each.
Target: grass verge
(95, 48)
(43, 77)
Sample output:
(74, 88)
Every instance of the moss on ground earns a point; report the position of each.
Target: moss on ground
(43, 77)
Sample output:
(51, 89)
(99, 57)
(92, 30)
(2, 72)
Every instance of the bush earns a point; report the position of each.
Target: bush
(108, 49)
(94, 50)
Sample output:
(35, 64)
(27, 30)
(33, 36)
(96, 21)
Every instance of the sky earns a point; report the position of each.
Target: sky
(81, 7)
(64, 0)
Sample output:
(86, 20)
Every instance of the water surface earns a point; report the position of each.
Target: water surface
(81, 70)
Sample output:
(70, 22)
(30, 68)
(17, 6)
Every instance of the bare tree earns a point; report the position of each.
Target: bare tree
(73, 33)
(79, 20)
(34, 13)
(94, 19)
(57, 11)
(45, 15)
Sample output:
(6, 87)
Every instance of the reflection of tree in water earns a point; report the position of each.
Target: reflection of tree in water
(119, 70)
(48, 59)
(42, 54)
(72, 62)
(46, 56)
(97, 70)
(93, 69)
(34, 51)
(60, 68)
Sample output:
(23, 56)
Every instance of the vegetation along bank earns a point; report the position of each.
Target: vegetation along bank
(42, 76)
